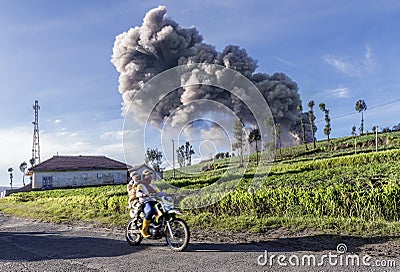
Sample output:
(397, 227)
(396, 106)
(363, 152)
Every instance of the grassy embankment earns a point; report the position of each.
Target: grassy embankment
(327, 189)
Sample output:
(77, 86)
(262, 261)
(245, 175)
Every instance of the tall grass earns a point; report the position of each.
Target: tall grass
(363, 188)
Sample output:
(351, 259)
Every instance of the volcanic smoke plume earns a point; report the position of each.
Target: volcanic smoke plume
(160, 44)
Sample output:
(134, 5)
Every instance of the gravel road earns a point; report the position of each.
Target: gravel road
(27, 245)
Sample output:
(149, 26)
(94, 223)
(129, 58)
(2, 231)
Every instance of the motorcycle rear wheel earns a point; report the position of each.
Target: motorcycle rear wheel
(132, 234)
(181, 235)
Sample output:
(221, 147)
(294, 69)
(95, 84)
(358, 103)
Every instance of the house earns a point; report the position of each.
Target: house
(141, 167)
(77, 171)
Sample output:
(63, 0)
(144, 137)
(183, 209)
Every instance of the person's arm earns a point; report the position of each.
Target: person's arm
(140, 192)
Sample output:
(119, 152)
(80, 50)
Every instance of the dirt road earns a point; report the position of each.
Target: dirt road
(27, 245)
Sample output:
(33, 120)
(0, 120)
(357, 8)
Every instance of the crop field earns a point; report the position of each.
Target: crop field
(328, 189)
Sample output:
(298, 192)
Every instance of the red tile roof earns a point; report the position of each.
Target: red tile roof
(75, 163)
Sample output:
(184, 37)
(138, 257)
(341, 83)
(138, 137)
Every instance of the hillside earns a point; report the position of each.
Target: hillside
(328, 189)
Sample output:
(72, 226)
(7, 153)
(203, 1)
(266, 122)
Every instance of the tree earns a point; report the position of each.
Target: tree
(181, 156)
(354, 133)
(255, 136)
(32, 162)
(222, 155)
(185, 153)
(311, 117)
(278, 138)
(239, 137)
(361, 106)
(154, 157)
(327, 129)
(188, 153)
(274, 129)
(396, 127)
(10, 170)
(303, 126)
(22, 168)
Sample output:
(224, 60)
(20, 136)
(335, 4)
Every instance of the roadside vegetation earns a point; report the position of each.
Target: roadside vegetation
(341, 187)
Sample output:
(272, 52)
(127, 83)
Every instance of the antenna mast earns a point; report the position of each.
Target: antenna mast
(36, 147)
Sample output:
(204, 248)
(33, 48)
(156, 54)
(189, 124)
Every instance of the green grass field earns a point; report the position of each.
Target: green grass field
(327, 189)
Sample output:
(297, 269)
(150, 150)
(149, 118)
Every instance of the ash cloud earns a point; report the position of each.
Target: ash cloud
(160, 44)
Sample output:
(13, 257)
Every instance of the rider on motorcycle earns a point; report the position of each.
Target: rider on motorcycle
(144, 191)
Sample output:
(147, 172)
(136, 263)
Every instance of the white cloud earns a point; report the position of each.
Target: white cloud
(352, 67)
(113, 135)
(16, 147)
(340, 92)
(289, 63)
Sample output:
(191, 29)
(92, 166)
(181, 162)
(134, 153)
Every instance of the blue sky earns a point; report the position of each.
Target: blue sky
(58, 52)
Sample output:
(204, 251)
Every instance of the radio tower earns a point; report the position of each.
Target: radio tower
(36, 147)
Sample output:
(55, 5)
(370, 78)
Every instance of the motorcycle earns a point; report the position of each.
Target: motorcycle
(163, 224)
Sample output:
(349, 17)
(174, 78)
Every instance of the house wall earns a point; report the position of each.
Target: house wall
(80, 178)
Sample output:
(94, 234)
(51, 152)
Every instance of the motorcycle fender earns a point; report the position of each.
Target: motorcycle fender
(175, 212)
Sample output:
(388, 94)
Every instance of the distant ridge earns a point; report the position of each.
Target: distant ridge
(2, 189)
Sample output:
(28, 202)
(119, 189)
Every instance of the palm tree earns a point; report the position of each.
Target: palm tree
(239, 137)
(311, 117)
(181, 156)
(303, 127)
(327, 129)
(255, 136)
(278, 137)
(32, 162)
(188, 153)
(22, 168)
(269, 123)
(361, 106)
(10, 170)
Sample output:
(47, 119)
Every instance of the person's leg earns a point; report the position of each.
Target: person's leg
(148, 213)
(148, 210)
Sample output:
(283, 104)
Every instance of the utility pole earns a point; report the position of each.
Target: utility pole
(173, 157)
(35, 146)
(376, 139)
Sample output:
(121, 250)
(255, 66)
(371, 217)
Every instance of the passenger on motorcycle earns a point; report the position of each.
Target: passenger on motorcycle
(131, 188)
(144, 192)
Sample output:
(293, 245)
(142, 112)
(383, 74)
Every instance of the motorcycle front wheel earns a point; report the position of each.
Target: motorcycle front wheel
(132, 235)
(178, 236)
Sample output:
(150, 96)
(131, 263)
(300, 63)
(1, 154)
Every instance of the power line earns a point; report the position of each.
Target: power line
(370, 108)
(384, 104)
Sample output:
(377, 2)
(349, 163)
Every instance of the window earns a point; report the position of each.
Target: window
(47, 182)
(117, 177)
